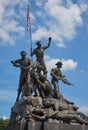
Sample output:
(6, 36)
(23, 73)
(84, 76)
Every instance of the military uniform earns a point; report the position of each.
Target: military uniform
(39, 53)
(24, 64)
(56, 76)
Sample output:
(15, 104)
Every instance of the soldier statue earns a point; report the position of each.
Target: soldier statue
(44, 88)
(24, 64)
(56, 76)
(39, 53)
(39, 101)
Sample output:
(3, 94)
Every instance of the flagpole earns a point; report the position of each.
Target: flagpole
(29, 29)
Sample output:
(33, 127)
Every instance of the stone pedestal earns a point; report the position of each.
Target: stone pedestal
(48, 126)
(12, 127)
(31, 126)
(36, 126)
(57, 126)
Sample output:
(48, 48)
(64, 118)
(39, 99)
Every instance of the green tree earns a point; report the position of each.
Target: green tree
(3, 123)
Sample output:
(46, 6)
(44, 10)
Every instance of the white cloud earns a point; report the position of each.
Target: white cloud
(4, 118)
(68, 18)
(40, 33)
(39, 3)
(83, 7)
(84, 109)
(50, 63)
(83, 2)
(68, 64)
(60, 18)
(64, 18)
(10, 28)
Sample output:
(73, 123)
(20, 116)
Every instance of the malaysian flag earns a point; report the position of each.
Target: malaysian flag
(28, 19)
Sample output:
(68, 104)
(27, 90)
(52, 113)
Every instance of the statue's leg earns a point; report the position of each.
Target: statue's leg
(44, 68)
(56, 89)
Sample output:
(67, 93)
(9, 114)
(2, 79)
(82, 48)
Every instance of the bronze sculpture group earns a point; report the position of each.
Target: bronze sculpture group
(39, 99)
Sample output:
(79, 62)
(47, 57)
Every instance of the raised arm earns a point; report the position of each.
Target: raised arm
(49, 41)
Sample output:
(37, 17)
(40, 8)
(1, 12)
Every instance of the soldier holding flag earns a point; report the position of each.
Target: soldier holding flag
(39, 53)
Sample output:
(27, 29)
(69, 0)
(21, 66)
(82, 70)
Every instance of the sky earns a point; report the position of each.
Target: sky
(66, 21)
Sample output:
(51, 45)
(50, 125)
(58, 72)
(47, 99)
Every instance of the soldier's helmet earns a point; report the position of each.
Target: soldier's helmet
(23, 53)
(59, 63)
(38, 43)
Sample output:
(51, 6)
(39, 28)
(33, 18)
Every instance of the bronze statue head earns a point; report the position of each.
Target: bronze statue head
(59, 64)
(23, 53)
(39, 43)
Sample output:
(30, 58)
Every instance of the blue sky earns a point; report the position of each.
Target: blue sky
(66, 21)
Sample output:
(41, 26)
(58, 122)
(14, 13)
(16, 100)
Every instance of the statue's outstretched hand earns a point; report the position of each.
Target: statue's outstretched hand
(50, 39)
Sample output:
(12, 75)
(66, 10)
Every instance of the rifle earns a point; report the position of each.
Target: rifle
(66, 81)
(21, 66)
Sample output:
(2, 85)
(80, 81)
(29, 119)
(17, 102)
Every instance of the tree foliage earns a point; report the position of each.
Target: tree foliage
(3, 123)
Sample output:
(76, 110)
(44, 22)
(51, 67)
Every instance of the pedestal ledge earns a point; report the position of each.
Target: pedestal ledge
(48, 126)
